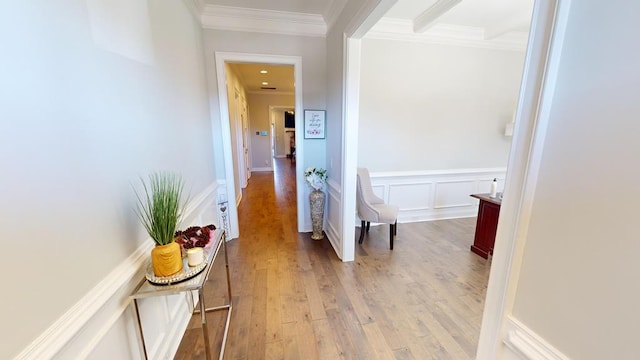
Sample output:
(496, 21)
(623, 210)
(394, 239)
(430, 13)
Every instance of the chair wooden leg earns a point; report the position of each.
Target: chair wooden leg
(362, 226)
(392, 232)
(395, 228)
(368, 224)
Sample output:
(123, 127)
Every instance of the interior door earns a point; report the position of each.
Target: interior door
(245, 139)
(240, 142)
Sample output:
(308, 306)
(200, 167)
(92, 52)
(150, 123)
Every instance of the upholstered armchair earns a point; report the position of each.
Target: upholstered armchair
(373, 209)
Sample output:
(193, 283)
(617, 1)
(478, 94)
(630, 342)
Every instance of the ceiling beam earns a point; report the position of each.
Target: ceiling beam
(425, 20)
(514, 22)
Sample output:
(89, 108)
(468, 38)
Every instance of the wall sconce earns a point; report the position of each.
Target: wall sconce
(508, 129)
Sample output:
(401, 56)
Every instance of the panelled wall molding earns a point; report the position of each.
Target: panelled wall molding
(265, 21)
(332, 224)
(435, 195)
(525, 344)
(446, 34)
(103, 316)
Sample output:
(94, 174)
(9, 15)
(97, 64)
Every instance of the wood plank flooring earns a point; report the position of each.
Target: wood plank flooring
(294, 299)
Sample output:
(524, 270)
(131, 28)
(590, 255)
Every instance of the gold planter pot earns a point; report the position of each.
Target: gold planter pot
(166, 259)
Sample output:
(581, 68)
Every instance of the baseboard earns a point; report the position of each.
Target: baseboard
(262, 169)
(525, 344)
(102, 312)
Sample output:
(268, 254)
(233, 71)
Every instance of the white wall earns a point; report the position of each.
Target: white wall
(433, 107)
(578, 283)
(89, 102)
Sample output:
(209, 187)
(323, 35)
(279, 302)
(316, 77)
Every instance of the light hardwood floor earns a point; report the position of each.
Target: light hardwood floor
(294, 299)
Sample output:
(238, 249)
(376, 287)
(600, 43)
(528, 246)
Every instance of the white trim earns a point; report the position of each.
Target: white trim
(264, 21)
(331, 229)
(262, 169)
(425, 20)
(296, 61)
(540, 71)
(84, 325)
(528, 345)
(332, 12)
(367, 16)
(350, 146)
(446, 34)
(272, 138)
(52, 340)
(471, 171)
(359, 25)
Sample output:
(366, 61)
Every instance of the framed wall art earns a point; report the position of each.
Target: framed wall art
(314, 124)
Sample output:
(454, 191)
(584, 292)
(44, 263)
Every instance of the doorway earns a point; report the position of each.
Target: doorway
(230, 160)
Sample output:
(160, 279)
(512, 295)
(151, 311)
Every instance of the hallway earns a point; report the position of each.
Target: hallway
(294, 299)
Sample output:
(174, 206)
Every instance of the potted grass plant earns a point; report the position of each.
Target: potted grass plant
(160, 211)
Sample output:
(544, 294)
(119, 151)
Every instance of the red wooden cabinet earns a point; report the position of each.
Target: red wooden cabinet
(487, 224)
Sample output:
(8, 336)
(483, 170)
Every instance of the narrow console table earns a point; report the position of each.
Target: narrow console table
(196, 283)
(486, 225)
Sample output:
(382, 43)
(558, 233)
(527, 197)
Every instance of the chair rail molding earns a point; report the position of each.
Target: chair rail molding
(100, 318)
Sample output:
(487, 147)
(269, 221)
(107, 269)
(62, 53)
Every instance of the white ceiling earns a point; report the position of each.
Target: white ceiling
(279, 77)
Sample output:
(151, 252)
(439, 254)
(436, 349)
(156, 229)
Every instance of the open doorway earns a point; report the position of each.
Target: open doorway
(267, 81)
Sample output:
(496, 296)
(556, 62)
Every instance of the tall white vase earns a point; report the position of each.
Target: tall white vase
(316, 202)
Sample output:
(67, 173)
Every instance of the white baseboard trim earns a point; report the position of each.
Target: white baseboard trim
(78, 332)
(262, 169)
(527, 345)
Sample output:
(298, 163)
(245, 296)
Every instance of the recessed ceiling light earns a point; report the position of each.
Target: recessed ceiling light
(265, 83)
(263, 71)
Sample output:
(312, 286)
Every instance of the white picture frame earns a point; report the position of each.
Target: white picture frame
(314, 124)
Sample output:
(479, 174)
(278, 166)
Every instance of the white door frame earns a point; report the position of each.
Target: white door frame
(223, 57)
(272, 109)
(536, 94)
(534, 103)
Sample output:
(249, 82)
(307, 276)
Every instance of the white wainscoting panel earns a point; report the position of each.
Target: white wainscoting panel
(454, 193)
(434, 195)
(102, 324)
(333, 216)
(524, 344)
(413, 196)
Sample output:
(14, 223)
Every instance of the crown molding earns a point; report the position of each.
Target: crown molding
(264, 21)
(445, 34)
